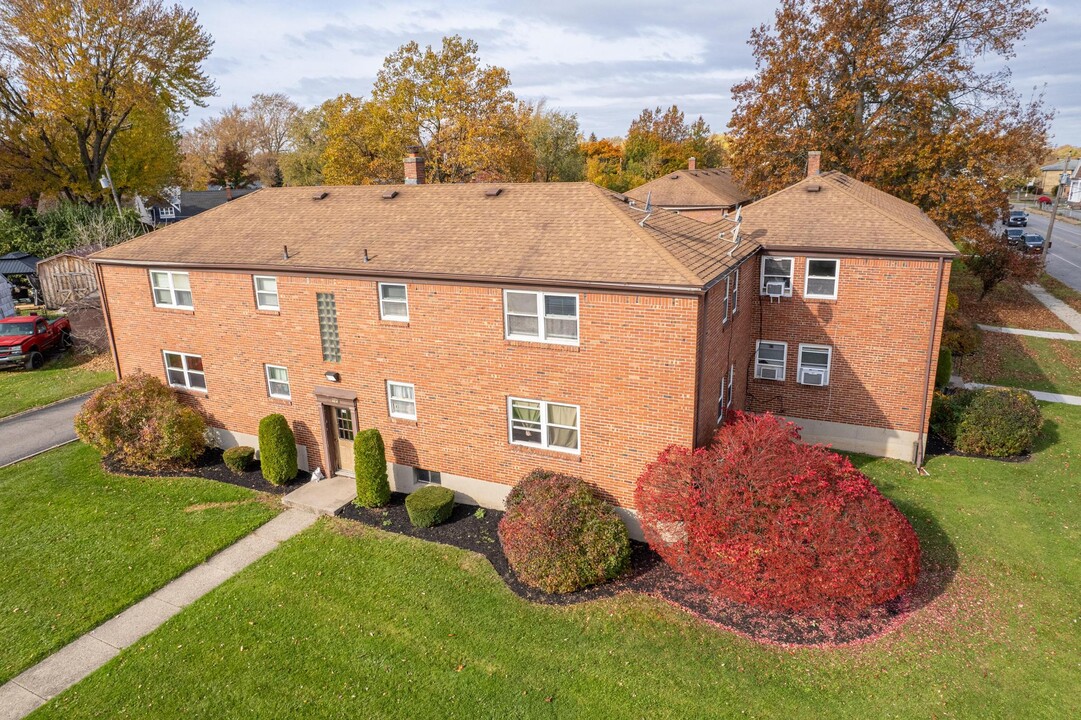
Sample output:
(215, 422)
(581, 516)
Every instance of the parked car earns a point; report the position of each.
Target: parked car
(1013, 236)
(1033, 242)
(24, 340)
(1017, 218)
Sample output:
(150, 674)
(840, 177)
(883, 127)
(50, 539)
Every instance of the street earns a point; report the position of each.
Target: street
(1064, 260)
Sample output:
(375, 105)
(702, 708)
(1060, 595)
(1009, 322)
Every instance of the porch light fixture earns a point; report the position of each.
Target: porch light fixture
(332, 376)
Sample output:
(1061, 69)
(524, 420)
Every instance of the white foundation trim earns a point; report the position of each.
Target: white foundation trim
(225, 439)
(883, 442)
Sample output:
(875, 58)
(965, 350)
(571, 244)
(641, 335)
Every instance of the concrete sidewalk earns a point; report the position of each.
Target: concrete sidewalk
(1064, 312)
(35, 431)
(56, 673)
(1046, 334)
(958, 381)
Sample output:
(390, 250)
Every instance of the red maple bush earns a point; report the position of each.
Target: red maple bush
(759, 518)
(559, 537)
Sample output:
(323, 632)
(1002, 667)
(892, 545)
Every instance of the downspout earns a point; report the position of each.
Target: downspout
(698, 361)
(930, 360)
(108, 319)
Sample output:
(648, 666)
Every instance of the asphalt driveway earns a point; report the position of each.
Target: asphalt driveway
(38, 430)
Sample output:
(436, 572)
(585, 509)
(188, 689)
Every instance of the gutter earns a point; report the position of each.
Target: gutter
(927, 376)
(857, 252)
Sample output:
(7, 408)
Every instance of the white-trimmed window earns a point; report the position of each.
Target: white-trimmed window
(185, 371)
(821, 279)
(171, 289)
(277, 382)
(537, 423)
(266, 292)
(735, 292)
(769, 360)
(724, 400)
(393, 302)
(814, 364)
(776, 276)
(426, 477)
(401, 400)
(731, 377)
(725, 302)
(542, 317)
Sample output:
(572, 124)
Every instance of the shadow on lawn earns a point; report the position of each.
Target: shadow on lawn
(939, 559)
(1048, 437)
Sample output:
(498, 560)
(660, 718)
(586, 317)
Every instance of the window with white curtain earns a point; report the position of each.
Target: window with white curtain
(266, 292)
(543, 424)
(401, 399)
(393, 302)
(277, 380)
(541, 317)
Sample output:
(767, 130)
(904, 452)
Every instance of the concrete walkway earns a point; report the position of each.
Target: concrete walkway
(325, 497)
(958, 381)
(1048, 334)
(35, 431)
(56, 673)
(1065, 313)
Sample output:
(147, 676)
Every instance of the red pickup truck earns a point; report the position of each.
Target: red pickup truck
(24, 340)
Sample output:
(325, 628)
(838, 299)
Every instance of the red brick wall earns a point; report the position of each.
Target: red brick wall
(633, 373)
(878, 327)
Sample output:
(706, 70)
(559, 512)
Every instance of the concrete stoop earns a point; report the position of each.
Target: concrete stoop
(325, 497)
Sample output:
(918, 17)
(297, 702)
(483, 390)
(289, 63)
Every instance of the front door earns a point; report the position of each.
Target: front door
(345, 428)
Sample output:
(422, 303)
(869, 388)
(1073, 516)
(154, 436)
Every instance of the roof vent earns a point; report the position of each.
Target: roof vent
(493, 192)
(813, 188)
(390, 194)
(320, 195)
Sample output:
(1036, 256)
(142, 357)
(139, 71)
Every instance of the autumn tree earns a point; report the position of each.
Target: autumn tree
(232, 169)
(553, 136)
(461, 113)
(302, 163)
(77, 76)
(354, 151)
(604, 162)
(892, 93)
(660, 141)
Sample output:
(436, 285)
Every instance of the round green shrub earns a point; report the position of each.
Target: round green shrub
(945, 368)
(142, 424)
(998, 422)
(431, 505)
(370, 466)
(239, 458)
(277, 450)
(559, 537)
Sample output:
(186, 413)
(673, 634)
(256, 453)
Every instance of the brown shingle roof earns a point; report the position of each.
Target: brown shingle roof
(708, 188)
(843, 214)
(554, 232)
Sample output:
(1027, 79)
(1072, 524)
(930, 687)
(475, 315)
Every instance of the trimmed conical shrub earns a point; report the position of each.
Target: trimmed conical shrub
(277, 450)
(370, 465)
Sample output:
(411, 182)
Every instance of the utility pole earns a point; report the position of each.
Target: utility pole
(1063, 180)
(107, 181)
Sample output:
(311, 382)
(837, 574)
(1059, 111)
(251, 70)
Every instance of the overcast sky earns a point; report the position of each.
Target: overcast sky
(604, 61)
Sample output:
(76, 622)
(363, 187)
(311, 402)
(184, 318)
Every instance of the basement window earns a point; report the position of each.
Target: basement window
(171, 289)
(426, 477)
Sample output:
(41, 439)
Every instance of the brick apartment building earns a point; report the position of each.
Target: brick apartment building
(490, 329)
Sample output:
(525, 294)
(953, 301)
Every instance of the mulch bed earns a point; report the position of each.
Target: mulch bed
(211, 467)
(938, 446)
(649, 575)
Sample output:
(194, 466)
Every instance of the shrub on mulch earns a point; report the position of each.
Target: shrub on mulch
(559, 537)
(239, 458)
(277, 450)
(429, 506)
(944, 370)
(370, 467)
(998, 422)
(762, 519)
(141, 423)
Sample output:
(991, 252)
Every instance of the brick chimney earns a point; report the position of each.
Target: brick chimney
(692, 164)
(414, 166)
(814, 163)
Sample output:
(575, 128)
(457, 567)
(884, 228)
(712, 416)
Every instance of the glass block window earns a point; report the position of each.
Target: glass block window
(328, 327)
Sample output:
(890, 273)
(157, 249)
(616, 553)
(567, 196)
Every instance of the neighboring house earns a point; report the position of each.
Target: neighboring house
(7, 300)
(707, 195)
(21, 264)
(68, 277)
(1050, 175)
(183, 204)
(488, 330)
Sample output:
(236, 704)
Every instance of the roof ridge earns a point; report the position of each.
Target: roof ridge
(833, 174)
(672, 260)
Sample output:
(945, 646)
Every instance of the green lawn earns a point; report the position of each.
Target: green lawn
(62, 377)
(1025, 362)
(79, 545)
(344, 622)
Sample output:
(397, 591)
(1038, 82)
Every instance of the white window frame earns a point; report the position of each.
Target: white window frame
(383, 315)
(544, 425)
(259, 304)
(171, 289)
(184, 369)
(828, 349)
(270, 382)
(542, 332)
(731, 377)
(735, 294)
(758, 366)
(391, 400)
(727, 297)
(807, 277)
(791, 274)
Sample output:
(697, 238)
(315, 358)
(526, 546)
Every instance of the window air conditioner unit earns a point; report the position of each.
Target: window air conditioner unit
(775, 289)
(812, 376)
(768, 372)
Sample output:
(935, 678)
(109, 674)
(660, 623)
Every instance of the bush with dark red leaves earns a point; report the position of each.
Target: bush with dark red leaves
(559, 537)
(762, 519)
